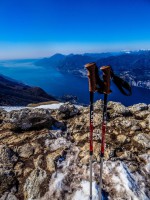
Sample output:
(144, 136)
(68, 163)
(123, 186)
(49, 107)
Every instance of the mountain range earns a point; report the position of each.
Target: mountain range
(119, 61)
(134, 66)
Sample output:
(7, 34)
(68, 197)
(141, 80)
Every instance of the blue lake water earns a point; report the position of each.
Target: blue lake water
(59, 84)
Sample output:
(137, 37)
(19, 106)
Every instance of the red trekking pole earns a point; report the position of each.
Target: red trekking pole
(102, 87)
(106, 90)
(92, 88)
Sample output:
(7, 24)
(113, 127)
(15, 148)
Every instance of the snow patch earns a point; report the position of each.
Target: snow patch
(57, 184)
(54, 106)
(10, 108)
(84, 192)
(123, 181)
(50, 106)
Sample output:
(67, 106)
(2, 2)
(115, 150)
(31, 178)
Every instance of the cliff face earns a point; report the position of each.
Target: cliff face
(14, 93)
(44, 154)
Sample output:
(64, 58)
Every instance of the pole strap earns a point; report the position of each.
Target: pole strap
(121, 84)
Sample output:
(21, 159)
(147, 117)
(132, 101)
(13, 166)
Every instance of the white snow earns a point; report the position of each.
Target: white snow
(54, 106)
(57, 184)
(84, 193)
(124, 182)
(10, 108)
(50, 106)
(116, 174)
(59, 143)
(147, 167)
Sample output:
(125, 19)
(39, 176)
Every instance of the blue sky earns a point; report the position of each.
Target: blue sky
(37, 28)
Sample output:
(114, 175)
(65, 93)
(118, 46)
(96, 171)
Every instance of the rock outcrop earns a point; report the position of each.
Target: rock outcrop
(44, 154)
(27, 119)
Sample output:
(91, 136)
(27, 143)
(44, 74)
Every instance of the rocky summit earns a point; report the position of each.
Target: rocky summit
(44, 153)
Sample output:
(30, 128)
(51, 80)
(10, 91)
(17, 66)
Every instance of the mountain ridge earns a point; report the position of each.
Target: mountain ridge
(15, 93)
(117, 60)
(134, 66)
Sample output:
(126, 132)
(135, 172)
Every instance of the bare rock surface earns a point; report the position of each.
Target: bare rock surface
(8, 157)
(27, 119)
(44, 154)
(33, 183)
(67, 110)
(8, 196)
(25, 151)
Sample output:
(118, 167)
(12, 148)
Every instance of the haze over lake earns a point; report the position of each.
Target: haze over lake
(58, 84)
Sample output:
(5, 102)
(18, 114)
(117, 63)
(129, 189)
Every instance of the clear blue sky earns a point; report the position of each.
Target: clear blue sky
(36, 28)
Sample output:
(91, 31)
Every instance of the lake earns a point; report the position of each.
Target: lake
(58, 84)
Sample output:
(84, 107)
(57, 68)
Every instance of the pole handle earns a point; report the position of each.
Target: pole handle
(106, 77)
(91, 76)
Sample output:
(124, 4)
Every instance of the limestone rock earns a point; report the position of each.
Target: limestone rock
(2, 115)
(121, 138)
(117, 109)
(98, 106)
(27, 119)
(19, 168)
(126, 123)
(8, 196)
(148, 121)
(135, 128)
(142, 114)
(80, 138)
(138, 107)
(143, 124)
(60, 142)
(123, 155)
(50, 163)
(143, 139)
(33, 156)
(33, 184)
(133, 167)
(38, 162)
(67, 111)
(7, 157)
(7, 180)
(27, 171)
(85, 160)
(25, 151)
(37, 147)
(50, 159)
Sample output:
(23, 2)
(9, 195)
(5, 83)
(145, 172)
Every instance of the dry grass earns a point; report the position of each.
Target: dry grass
(42, 103)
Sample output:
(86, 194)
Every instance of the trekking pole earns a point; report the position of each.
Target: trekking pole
(92, 87)
(106, 91)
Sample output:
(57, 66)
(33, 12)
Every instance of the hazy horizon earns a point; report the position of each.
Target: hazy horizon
(75, 53)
